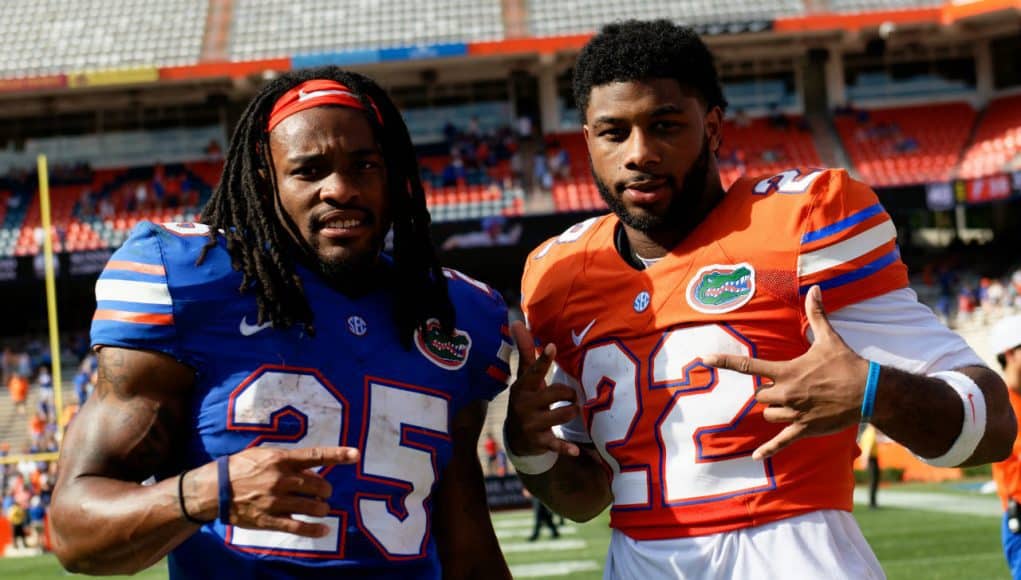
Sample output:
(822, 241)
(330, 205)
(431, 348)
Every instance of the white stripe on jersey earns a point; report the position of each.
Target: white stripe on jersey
(847, 250)
(505, 351)
(130, 291)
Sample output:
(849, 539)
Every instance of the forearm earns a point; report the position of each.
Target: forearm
(576, 487)
(106, 526)
(926, 415)
(465, 537)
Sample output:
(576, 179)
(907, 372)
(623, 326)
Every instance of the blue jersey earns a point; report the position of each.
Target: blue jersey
(351, 384)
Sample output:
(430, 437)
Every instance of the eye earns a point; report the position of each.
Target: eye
(666, 125)
(304, 171)
(613, 134)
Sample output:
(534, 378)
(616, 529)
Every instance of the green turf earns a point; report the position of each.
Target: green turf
(911, 544)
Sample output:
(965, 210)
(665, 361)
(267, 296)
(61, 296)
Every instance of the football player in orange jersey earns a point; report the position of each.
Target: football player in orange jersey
(701, 390)
(1005, 341)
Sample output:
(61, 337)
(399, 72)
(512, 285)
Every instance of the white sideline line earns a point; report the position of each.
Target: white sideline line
(547, 569)
(543, 546)
(524, 533)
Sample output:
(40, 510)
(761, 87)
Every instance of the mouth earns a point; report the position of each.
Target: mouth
(342, 224)
(646, 191)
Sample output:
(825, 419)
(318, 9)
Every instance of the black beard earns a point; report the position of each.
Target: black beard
(681, 216)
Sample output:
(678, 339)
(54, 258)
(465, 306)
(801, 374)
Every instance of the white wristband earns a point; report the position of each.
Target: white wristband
(530, 464)
(974, 426)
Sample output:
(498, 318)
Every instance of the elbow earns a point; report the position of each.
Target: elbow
(582, 516)
(1003, 436)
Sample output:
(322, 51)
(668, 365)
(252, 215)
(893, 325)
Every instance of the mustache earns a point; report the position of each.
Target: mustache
(621, 186)
(318, 221)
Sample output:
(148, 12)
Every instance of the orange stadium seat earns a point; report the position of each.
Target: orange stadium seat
(906, 146)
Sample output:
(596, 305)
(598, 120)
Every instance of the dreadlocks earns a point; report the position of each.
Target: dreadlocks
(242, 210)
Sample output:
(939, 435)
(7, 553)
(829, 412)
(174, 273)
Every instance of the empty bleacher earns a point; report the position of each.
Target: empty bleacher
(267, 28)
(563, 17)
(910, 145)
(48, 37)
(997, 141)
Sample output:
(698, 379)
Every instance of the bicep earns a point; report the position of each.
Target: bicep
(128, 428)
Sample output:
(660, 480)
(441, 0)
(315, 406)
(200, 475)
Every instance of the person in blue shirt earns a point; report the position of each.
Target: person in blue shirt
(307, 404)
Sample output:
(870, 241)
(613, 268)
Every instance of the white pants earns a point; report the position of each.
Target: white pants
(825, 545)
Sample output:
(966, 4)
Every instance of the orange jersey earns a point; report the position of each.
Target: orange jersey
(677, 436)
(1007, 473)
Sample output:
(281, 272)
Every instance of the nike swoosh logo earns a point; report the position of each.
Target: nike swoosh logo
(577, 337)
(303, 96)
(250, 329)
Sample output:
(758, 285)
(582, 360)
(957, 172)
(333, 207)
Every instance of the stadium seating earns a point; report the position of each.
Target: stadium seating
(267, 28)
(764, 149)
(561, 17)
(47, 37)
(997, 140)
(77, 229)
(911, 145)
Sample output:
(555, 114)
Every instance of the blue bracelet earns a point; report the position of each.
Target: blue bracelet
(868, 402)
(226, 493)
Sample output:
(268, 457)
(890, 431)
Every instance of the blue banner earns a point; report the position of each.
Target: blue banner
(345, 58)
(424, 51)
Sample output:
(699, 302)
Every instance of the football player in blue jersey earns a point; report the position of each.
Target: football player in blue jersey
(307, 404)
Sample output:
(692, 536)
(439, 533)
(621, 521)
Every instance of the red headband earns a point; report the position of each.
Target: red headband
(316, 93)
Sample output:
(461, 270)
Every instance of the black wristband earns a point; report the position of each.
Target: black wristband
(180, 501)
(226, 493)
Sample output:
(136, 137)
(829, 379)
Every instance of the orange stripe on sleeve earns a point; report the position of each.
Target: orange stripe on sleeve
(134, 317)
(136, 267)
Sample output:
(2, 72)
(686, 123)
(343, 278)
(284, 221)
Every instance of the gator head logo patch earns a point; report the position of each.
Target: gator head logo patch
(446, 351)
(721, 288)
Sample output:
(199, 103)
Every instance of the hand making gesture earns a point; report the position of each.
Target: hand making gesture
(530, 421)
(818, 393)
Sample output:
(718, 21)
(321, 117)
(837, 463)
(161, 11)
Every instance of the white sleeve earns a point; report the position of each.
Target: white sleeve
(573, 430)
(895, 329)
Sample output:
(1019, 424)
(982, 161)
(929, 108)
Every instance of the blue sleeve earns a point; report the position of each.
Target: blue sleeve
(134, 306)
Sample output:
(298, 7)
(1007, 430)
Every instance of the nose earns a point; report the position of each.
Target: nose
(336, 188)
(640, 152)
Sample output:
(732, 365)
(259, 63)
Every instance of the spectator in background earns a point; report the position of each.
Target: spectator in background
(81, 384)
(559, 161)
(18, 387)
(870, 448)
(491, 446)
(1005, 342)
(45, 382)
(37, 520)
(18, 518)
(741, 119)
(543, 517)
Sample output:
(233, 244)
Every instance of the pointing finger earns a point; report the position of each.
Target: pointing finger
(320, 456)
(790, 434)
(743, 364)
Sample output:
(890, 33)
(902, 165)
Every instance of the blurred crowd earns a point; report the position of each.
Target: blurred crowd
(32, 427)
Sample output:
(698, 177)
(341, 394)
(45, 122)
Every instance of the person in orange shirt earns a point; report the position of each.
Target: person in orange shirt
(18, 386)
(702, 391)
(1005, 340)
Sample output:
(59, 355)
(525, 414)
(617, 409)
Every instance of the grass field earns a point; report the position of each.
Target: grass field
(911, 544)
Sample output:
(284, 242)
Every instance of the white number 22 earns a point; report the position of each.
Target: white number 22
(688, 473)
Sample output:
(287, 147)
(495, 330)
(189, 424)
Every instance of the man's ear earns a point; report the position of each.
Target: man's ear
(714, 128)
